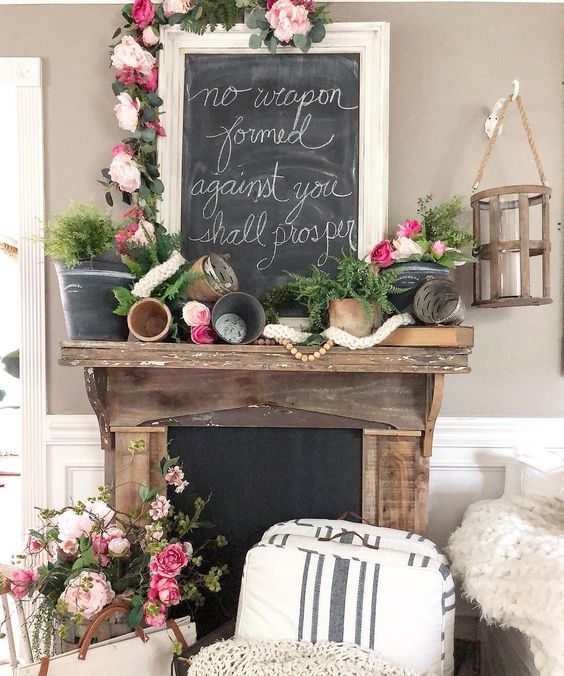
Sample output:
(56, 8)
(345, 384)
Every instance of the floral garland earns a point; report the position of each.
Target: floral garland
(134, 169)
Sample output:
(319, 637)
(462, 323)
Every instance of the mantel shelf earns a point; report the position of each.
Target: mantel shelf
(408, 350)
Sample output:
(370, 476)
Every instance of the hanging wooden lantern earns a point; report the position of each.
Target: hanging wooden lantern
(512, 230)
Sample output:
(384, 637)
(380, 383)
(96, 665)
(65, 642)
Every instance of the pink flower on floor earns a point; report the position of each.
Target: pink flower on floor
(125, 172)
(165, 590)
(381, 254)
(129, 55)
(203, 335)
(159, 508)
(143, 12)
(438, 249)
(154, 614)
(195, 313)
(408, 229)
(88, 594)
(287, 20)
(169, 562)
(21, 579)
(127, 112)
(149, 37)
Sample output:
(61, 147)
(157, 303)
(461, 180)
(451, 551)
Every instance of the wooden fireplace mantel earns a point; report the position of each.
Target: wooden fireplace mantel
(392, 393)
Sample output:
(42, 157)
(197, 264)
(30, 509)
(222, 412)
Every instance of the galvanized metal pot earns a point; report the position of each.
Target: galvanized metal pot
(410, 276)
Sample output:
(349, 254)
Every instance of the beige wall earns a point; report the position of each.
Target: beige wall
(449, 64)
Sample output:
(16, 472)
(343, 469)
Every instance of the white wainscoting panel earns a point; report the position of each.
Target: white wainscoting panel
(472, 460)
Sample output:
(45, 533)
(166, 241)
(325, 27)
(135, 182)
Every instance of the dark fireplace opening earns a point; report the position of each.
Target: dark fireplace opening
(258, 476)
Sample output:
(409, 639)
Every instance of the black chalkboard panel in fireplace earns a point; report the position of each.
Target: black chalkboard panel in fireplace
(258, 477)
(270, 162)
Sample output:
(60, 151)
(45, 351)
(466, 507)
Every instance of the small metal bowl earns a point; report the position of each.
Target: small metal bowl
(438, 301)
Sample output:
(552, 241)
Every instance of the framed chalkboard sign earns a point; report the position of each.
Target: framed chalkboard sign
(279, 161)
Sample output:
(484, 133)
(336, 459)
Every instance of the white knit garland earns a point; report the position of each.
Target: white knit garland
(338, 336)
(157, 275)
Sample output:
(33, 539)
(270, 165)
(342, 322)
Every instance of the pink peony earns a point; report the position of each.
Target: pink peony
(169, 562)
(34, 545)
(21, 580)
(438, 249)
(288, 20)
(149, 37)
(130, 56)
(196, 314)
(159, 508)
(406, 247)
(381, 254)
(100, 548)
(88, 594)
(154, 614)
(151, 81)
(203, 335)
(165, 590)
(100, 510)
(171, 7)
(408, 229)
(73, 525)
(127, 112)
(125, 172)
(143, 12)
(118, 547)
(121, 148)
(69, 547)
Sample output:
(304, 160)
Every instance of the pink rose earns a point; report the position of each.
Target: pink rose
(127, 112)
(408, 229)
(171, 7)
(21, 580)
(125, 172)
(88, 593)
(129, 55)
(165, 590)
(34, 545)
(151, 81)
(143, 12)
(154, 614)
(118, 547)
(72, 525)
(288, 20)
(100, 548)
(438, 249)
(159, 508)
(203, 335)
(381, 254)
(149, 37)
(406, 247)
(169, 562)
(196, 314)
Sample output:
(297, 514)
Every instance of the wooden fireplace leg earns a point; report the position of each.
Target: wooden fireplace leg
(138, 451)
(396, 479)
(96, 380)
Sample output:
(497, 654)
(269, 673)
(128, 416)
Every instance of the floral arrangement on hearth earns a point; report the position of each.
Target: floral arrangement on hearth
(134, 169)
(87, 556)
(435, 238)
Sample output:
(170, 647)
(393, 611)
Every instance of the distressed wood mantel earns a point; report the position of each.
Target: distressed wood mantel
(392, 392)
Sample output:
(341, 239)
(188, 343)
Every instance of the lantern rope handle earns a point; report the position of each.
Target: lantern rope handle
(528, 132)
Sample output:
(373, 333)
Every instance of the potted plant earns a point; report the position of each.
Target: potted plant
(80, 242)
(426, 248)
(353, 299)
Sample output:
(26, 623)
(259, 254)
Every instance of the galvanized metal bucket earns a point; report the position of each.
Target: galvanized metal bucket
(438, 301)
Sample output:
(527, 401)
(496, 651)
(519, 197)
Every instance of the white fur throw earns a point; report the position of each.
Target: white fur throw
(282, 658)
(508, 554)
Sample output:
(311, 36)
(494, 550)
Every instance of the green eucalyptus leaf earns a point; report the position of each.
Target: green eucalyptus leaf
(109, 199)
(154, 100)
(157, 186)
(147, 134)
(251, 20)
(317, 32)
(174, 19)
(255, 41)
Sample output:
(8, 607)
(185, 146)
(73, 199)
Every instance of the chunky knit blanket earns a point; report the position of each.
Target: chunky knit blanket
(508, 555)
(281, 658)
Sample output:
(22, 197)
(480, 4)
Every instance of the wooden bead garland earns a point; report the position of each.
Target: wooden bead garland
(294, 351)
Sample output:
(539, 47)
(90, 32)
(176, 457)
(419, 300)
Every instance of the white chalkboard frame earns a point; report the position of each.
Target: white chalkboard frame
(370, 40)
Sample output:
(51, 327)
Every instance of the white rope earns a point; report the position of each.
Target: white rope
(288, 658)
(157, 275)
(338, 336)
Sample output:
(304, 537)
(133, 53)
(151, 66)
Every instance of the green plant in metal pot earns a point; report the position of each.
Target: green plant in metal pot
(80, 242)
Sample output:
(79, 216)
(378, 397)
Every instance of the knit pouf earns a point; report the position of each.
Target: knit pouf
(279, 658)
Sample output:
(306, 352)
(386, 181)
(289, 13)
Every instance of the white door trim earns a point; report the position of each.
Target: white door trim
(25, 75)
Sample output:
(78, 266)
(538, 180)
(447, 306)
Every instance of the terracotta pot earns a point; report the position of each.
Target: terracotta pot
(347, 314)
(149, 320)
(220, 279)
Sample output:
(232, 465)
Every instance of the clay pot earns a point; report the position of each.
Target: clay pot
(220, 279)
(347, 314)
(149, 320)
